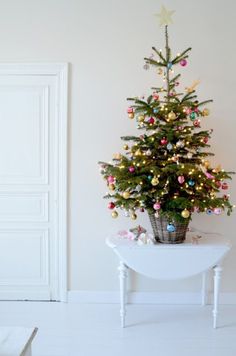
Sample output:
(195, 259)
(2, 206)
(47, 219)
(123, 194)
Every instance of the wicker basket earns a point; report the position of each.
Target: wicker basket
(159, 226)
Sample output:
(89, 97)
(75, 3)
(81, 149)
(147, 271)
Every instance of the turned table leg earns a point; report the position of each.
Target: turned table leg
(204, 289)
(122, 277)
(217, 278)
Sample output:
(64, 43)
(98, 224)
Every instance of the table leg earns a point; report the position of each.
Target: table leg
(217, 278)
(204, 288)
(123, 277)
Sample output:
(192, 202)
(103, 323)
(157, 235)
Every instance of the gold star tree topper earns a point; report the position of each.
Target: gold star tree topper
(165, 16)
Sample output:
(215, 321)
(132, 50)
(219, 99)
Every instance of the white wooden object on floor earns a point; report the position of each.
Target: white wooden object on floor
(16, 341)
(170, 262)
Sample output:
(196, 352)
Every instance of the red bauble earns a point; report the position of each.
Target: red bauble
(164, 141)
(197, 123)
(130, 110)
(205, 139)
(218, 184)
(111, 205)
(155, 96)
(224, 186)
(151, 120)
(131, 169)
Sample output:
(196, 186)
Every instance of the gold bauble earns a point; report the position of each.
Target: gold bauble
(125, 147)
(205, 112)
(133, 216)
(138, 152)
(131, 115)
(141, 118)
(111, 186)
(114, 214)
(206, 164)
(126, 195)
(155, 181)
(185, 213)
(117, 156)
(171, 116)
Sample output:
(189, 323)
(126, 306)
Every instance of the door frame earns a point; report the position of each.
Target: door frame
(60, 71)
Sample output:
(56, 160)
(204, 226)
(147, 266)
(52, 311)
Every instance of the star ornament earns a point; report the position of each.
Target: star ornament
(165, 16)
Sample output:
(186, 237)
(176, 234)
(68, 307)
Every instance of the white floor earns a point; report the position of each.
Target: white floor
(94, 330)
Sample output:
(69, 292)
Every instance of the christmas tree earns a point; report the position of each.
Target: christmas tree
(165, 170)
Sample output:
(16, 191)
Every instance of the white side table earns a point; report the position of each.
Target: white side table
(170, 262)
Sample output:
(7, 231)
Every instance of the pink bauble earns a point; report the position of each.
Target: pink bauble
(196, 110)
(218, 184)
(111, 205)
(209, 175)
(111, 179)
(164, 141)
(205, 139)
(151, 120)
(197, 123)
(181, 179)
(130, 110)
(157, 206)
(224, 186)
(217, 211)
(131, 169)
(183, 62)
(188, 111)
(155, 96)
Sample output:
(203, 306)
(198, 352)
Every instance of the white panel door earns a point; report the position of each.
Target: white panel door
(32, 181)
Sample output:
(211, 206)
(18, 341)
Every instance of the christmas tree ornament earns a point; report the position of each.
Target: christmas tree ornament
(111, 205)
(111, 179)
(191, 182)
(218, 183)
(217, 211)
(155, 110)
(180, 144)
(185, 214)
(114, 214)
(138, 152)
(169, 65)
(111, 186)
(164, 141)
(209, 175)
(131, 169)
(170, 228)
(207, 164)
(169, 147)
(148, 152)
(193, 115)
(131, 115)
(209, 211)
(133, 216)
(141, 118)
(224, 186)
(205, 112)
(138, 188)
(151, 120)
(146, 66)
(155, 181)
(181, 179)
(130, 110)
(183, 62)
(156, 206)
(165, 16)
(126, 213)
(125, 147)
(189, 155)
(171, 116)
(141, 210)
(156, 214)
(117, 156)
(205, 139)
(197, 123)
(155, 96)
(149, 177)
(126, 195)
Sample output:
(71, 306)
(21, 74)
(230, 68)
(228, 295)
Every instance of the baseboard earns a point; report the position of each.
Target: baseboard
(108, 297)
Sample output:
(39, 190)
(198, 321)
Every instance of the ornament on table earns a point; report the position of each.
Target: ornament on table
(224, 186)
(117, 156)
(195, 239)
(217, 211)
(218, 183)
(155, 181)
(126, 147)
(131, 169)
(181, 179)
(185, 214)
(205, 112)
(164, 141)
(192, 87)
(114, 214)
(183, 62)
(205, 139)
(111, 179)
(146, 239)
(141, 118)
(151, 120)
(111, 205)
(157, 206)
(137, 231)
(155, 96)
(133, 216)
(191, 182)
(169, 147)
(126, 195)
(197, 123)
(111, 186)
(180, 144)
(209, 211)
(193, 115)
(155, 110)
(170, 227)
(171, 116)
(148, 152)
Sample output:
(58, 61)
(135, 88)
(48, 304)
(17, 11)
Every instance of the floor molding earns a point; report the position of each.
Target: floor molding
(108, 297)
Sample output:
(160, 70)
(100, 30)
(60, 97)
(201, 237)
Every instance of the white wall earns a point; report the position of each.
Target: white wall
(105, 42)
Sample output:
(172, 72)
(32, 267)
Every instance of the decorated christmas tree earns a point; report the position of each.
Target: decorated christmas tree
(165, 170)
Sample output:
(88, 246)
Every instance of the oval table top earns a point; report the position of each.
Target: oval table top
(171, 261)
